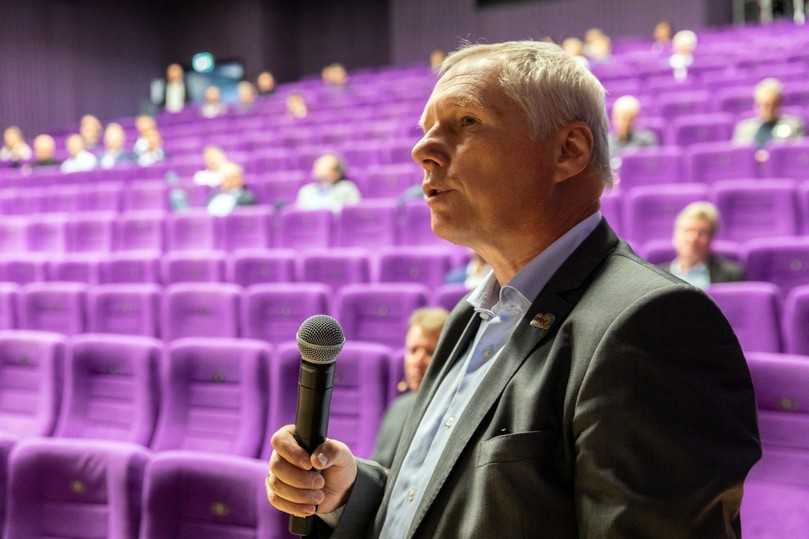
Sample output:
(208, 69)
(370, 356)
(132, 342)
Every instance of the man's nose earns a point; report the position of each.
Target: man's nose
(430, 151)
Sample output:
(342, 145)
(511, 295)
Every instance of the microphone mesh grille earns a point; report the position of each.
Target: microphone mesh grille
(320, 339)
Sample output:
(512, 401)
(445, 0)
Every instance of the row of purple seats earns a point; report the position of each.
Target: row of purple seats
(270, 312)
(204, 394)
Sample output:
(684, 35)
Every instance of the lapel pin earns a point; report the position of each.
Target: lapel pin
(543, 321)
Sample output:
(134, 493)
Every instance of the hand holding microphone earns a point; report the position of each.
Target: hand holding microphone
(309, 474)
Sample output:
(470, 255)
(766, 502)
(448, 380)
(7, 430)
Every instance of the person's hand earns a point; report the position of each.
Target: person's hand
(301, 484)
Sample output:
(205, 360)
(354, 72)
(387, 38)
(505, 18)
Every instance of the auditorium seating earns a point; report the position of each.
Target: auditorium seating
(796, 321)
(753, 311)
(379, 312)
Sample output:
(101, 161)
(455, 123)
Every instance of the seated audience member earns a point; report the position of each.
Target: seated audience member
(14, 151)
(422, 337)
(265, 83)
(115, 153)
(143, 123)
(231, 193)
(334, 75)
(624, 134)
(44, 151)
(215, 161)
(600, 49)
(80, 159)
(472, 274)
(683, 45)
(694, 230)
(90, 130)
(436, 59)
(575, 48)
(769, 123)
(662, 36)
(591, 36)
(331, 189)
(247, 97)
(154, 149)
(213, 106)
(296, 106)
(174, 93)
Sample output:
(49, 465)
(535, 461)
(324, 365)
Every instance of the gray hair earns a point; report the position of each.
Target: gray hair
(699, 210)
(552, 88)
(769, 86)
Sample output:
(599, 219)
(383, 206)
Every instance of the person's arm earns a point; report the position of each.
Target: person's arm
(665, 423)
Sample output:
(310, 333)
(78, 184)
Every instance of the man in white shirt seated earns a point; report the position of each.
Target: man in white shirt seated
(143, 123)
(80, 159)
(114, 141)
(331, 190)
(215, 161)
(684, 44)
(14, 150)
(90, 130)
(213, 105)
(154, 149)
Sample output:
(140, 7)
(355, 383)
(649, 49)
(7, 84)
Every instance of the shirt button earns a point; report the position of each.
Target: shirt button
(449, 422)
(488, 353)
(411, 495)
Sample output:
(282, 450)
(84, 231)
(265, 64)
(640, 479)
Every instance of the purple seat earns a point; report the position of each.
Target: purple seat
(735, 100)
(248, 228)
(214, 397)
(142, 196)
(193, 267)
(200, 310)
(650, 166)
(60, 199)
(650, 212)
(379, 312)
(368, 224)
(710, 162)
(13, 236)
(90, 234)
(660, 251)
(788, 160)
(277, 192)
(7, 442)
(247, 267)
(796, 321)
(777, 489)
(757, 208)
(448, 295)
(192, 230)
(391, 180)
(78, 268)
(273, 312)
(102, 198)
(803, 194)
(124, 309)
(687, 130)
(9, 305)
(130, 267)
(753, 312)
(88, 490)
(111, 389)
(31, 364)
(676, 104)
(301, 229)
(47, 235)
(413, 226)
(782, 261)
(611, 204)
(141, 231)
(422, 265)
(57, 307)
(358, 400)
(22, 269)
(335, 267)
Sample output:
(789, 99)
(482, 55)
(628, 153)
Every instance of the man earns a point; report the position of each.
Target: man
(422, 336)
(80, 159)
(683, 44)
(14, 151)
(173, 95)
(231, 193)
(44, 151)
(694, 231)
(247, 97)
(331, 190)
(265, 83)
(114, 153)
(90, 130)
(575, 48)
(769, 123)
(215, 160)
(153, 153)
(213, 106)
(578, 392)
(625, 136)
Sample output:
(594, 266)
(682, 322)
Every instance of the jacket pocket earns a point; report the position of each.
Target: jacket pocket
(517, 446)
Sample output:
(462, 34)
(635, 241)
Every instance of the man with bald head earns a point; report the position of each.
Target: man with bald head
(577, 392)
(79, 159)
(44, 151)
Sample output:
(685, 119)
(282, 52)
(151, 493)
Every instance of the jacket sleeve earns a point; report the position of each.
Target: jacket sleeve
(664, 423)
(363, 502)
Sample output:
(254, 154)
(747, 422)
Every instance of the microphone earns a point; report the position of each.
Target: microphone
(320, 338)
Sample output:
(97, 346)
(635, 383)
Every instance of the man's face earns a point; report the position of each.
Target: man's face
(246, 95)
(114, 138)
(174, 73)
(89, 132)
(144, 124)
(43, 148)
(419, 349)
(325, 169)
(212, 94)
(11, 137)
(769, 106)
(662, 32)
(74, 145)
(623, 119)
(266, 82)
(692, 239)
(485, 175)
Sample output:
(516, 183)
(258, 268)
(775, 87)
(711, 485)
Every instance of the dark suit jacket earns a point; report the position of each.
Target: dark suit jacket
(720, 270)
(631, 416)
(391, 428)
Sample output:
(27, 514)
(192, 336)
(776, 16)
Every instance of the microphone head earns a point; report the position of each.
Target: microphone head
(320, 338)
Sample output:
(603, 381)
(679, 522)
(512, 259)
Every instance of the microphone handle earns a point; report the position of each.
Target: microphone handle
(315, 383)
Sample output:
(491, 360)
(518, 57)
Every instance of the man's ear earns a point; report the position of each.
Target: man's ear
(575, 149)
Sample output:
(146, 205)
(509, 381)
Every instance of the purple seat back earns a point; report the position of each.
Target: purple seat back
(47, 235)
(788, 160)
(273, 312)
(247, 267)
(427, 266)
(796, 321)
(650, 212)
(783, 261)
(248, 228)
(300, 229)
(90, 234)
(73, 268)
(379, 312)
(141, 231)
(753, 312)
(9, 305)
(214, 397)
(193, 267)
(192, 230)
(687, 130)
(148, 196)
(102, 198)
(124, 309)
(22, 268)
(200, 310)
(57, 307)
(650, 166)
(414, 225)
(368, 224)
(13, 237)
(757, 208)
(711, 162)
(335, 267)
(130, 267)
(448, 295)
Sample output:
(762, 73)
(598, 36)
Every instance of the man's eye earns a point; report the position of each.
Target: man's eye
(466, 121)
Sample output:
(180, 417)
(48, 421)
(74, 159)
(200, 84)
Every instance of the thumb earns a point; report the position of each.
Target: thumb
(330, 453)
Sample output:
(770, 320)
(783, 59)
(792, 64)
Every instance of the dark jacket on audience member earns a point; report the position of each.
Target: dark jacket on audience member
(720, 269)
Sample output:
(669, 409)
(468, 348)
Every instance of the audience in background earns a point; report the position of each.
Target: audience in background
(694, 231)
(334, 75)
(769, 122)
(175, 94)
(213, 173)
(662, 36)
(213, 106)
(154, 149)
(143, 123)
(231, 192)
(331, 190)
(421, 340)
(575, 48)
(296, 106)
(90, 130)
(472, 274)
(684, 44)
(597, 46)
(115, 153)
(436, 59)
(265, 83)
(625, 135)
(44, 151)
(14, 151)
(247, 97)
(79, 158)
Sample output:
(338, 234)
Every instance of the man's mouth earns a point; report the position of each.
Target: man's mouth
(433, 193)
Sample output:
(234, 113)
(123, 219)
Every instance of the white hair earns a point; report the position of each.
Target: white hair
(552, 88)
(627, 102)
(685, 38)
(769, 86)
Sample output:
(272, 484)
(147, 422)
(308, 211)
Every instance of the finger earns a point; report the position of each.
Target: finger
(330, 453)
(296, 509)
(295, 495)
(284, 442)
(294, 476)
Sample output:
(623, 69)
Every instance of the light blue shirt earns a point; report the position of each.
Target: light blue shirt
(698, 275)
(501, 310)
